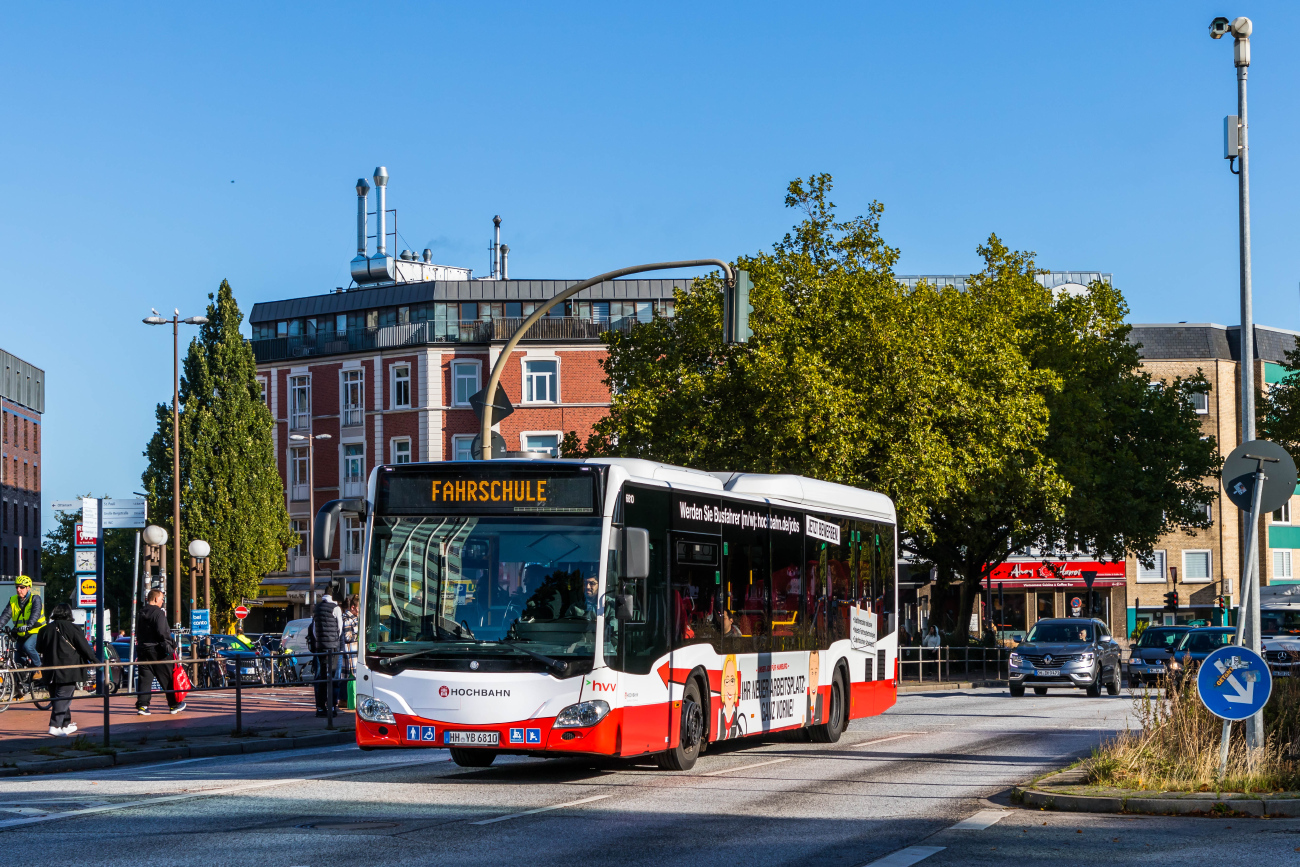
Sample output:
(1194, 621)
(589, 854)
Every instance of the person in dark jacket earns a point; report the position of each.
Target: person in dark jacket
(327, 638)
(62, 642)
(154, 652)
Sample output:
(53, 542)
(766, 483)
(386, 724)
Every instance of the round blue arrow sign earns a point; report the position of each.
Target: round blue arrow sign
(1234, 682)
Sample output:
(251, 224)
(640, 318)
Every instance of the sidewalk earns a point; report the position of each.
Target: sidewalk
(272, 719)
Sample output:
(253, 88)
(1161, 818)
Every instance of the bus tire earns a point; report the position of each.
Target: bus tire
(830, 731)
(682, 757)
(472, 758)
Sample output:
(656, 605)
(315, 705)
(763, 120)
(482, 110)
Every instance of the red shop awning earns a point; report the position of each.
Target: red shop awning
(1064, 574)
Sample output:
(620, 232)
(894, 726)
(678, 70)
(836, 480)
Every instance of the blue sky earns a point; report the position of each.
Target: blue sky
(154, 150)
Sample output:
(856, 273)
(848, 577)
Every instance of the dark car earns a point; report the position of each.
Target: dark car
(1149, 657)
(1196, 645)
(1068, 652)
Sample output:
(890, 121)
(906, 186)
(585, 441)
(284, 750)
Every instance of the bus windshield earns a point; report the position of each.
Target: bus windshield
(459, 584)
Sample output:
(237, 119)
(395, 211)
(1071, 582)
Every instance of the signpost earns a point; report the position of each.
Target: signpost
(241, 612)
(1234, 683)
(200, 622)
(1076, 606)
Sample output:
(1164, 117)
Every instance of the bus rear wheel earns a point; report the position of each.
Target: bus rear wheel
(830, 731)
(472, 758)
(682, 757)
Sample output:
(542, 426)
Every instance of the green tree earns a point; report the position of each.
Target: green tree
(231, 494)
(59, 577)
(1278, 409)
(958, 403)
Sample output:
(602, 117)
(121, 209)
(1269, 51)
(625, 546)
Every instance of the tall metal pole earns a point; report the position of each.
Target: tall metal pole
(176, 466)
(135, 607)
(311, 513)
(489, 394)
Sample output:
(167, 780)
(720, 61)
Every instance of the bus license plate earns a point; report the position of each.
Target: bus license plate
(1047, 672)
(472, 739)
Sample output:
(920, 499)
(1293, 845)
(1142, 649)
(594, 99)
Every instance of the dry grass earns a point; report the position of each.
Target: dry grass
(1176, 747)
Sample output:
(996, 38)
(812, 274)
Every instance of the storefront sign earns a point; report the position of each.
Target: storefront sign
(1039, 574)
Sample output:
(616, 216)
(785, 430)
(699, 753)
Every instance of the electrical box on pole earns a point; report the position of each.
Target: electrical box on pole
(736, 310)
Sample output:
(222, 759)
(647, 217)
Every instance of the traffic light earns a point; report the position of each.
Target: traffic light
(1221, 602)
(736, 310)
(1171, 600)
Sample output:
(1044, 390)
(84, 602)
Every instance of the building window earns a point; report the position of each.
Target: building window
(354, 470)
(1153, 572)
(1196, 567)
(460, 446)
(1282, 564)
(542, 442)
(464, 376)
(298, 481)
(298, 553)
(299, 402)
(354, 395)
(1283, 515)
(265, 395)
(401, 451)
(402, 387)
(541, 381)
(353, 540)
(1200, 402)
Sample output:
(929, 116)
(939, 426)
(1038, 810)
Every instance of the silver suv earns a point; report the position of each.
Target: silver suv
(1069, 652)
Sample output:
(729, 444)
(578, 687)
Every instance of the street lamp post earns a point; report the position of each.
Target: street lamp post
(489, 393)
(311, 508)
(1240, 29)
(176, 321)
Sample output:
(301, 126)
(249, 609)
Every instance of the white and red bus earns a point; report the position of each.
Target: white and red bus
(616, 608)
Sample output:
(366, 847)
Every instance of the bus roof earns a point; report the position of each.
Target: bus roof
(784, 488)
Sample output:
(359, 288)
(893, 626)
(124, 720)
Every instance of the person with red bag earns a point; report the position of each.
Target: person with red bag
(156, 657)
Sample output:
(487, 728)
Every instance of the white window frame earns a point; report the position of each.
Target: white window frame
(559, 439)
(352, 485)
(353, 532)
(1209, 566)
(1158, 574)
(462, 363)
(266, 391)
(393, 381)
(1285, 514)
(297, 555)
(1282, 558)
(298, 486)
(352, 414)
(393, 450)
(459, 443)
(527, 380)
(300, 393)
(1200, 402)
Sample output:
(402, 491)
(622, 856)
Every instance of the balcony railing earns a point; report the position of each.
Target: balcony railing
(427, 333)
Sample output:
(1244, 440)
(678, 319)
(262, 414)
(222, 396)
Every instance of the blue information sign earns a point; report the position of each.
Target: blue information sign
(200, 624)
(1234, 683)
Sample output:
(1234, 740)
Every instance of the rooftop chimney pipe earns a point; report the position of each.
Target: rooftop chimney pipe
(505, 250)
(361, 262)
(381, 264)
(496, 246)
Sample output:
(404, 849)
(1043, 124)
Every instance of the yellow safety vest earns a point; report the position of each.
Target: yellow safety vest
(20, 615)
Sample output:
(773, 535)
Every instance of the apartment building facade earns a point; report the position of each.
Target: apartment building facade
(22, 405)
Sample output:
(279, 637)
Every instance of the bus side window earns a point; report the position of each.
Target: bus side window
(789, 618)
(644, 640)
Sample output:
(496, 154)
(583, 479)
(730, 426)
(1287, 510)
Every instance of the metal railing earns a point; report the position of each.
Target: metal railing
(949, 664)
(426, 333)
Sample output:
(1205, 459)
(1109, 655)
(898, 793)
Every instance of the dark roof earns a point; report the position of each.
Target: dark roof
(457, 290)
(1209, 340)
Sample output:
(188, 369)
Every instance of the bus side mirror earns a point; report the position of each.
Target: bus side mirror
(327, 524)
(637, 563)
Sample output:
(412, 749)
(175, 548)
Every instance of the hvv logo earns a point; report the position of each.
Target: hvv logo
(597, 686)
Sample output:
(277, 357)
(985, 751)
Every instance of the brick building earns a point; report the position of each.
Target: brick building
(22, 402)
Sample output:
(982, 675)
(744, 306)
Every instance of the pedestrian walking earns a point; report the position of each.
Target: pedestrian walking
(62, 642)
(156, 656)
(327, 640)
(351, 621)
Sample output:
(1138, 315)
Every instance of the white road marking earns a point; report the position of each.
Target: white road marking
(981, 820)
(541, 810)
(882, 740)
(207, 793)
(906, 857)
(747, 767)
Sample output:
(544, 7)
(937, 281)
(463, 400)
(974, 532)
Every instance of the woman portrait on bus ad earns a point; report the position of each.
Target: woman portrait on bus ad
(731, 722)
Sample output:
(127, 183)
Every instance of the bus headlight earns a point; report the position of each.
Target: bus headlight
(374, 710)
(581, 715)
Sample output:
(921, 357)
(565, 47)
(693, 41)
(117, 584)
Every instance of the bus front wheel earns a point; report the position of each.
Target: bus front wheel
(472, 758)
(682, 757)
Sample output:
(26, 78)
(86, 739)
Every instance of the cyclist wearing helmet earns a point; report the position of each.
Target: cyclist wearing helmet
(26, 615)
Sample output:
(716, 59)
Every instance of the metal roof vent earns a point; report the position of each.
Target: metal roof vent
(428, 255)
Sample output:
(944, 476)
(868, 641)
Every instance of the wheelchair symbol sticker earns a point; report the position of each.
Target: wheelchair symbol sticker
(516, 736)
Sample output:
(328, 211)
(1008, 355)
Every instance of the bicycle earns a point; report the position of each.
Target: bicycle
(13, 681)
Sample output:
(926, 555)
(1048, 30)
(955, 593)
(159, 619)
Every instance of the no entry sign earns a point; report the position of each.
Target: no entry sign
(241, 612)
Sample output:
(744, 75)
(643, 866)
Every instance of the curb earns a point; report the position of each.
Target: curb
(940, 686)
(1189, 804)
(173, 753)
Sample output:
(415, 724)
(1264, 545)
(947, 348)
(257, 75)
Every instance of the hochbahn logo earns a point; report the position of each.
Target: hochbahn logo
(445, 691)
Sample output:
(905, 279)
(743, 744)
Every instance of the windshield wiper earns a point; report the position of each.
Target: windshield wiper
(558, 666)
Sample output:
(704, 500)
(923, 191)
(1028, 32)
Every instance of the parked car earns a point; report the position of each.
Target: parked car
(294, 639)
(1282, 656)
(1197, 644)
(241, 661)
(1149, 657)
(1069, 652)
